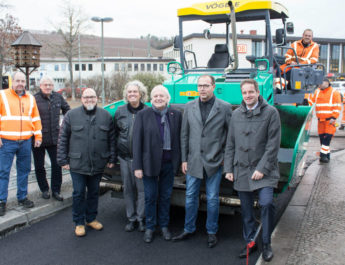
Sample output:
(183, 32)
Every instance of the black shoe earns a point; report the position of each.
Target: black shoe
(166, 233)
(130, 226)
(183, 236)
(243, 253)
(45, 195)
(324, 159)
(267, 253)
(148, 236)
(212, 240)
(342, 127)
(141, 227)
(26, 203)
(2, 208)
(57, 196)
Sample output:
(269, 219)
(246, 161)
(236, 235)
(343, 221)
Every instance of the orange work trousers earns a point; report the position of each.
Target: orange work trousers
(325, 127)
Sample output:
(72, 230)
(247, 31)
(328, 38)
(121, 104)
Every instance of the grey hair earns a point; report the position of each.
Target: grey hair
(141, 87)
(164, 89)
(46, 78)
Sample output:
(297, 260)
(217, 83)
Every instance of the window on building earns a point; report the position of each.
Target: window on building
(117, 67)
(148, 67)
(161, 67)
(323, 54)
(90, 66)
(104, 67)
(123, 67)
(334, 58)
(142, 67)
(63, 67)
(56, 67)
(129, 67)
(154, 67)
(76, 67)
(257, 48)
(83, 67)
(135, 67)
(43, 67)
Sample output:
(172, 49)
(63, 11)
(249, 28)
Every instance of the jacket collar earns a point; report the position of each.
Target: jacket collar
(213, 112)
(14, 92)
(262, 104)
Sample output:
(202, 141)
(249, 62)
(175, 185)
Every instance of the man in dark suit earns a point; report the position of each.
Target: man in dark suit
(203, 135)
(156, 158)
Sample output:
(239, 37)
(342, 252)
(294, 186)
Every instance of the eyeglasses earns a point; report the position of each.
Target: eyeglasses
(47, 84)
(204, 86)
(89, 97)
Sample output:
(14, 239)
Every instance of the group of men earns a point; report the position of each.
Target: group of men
(86, 145)
(243, 144)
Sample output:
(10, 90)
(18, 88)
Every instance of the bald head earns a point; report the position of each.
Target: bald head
(89, 98)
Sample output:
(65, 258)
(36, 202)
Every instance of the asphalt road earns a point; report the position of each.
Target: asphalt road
(52, 241)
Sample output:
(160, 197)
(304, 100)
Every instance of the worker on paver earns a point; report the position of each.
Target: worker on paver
(19, 121)
(307, 52)
(327, 107)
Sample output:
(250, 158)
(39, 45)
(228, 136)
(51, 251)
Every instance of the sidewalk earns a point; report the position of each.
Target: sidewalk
(17, 217)
(312, 228)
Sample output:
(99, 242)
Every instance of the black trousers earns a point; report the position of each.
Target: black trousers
(56, 172)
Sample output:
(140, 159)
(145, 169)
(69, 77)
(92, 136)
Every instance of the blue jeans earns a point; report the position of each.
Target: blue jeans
(192, 201)
(22, 149)
(85, 206)
(267, 214)
(158, 192)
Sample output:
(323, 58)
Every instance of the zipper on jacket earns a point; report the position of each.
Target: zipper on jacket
(21, 110)
(131, 136)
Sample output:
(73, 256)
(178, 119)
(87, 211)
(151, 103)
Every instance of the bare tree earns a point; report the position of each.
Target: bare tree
(73, 23)
(9, 32)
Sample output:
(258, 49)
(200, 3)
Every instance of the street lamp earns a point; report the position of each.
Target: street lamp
(104, 19)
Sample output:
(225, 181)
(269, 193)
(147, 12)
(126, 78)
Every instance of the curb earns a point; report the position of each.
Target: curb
(17, 217)
(285, 233)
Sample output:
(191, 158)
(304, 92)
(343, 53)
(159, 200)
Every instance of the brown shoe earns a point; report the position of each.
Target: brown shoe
(80, 230)
(95, 225)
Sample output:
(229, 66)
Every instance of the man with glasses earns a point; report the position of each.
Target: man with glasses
(86, 145)
(203, 135)
(50, 104)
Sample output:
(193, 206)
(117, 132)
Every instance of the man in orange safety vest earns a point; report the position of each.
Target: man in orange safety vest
(19, 121)
(327, 107)
(307, 52)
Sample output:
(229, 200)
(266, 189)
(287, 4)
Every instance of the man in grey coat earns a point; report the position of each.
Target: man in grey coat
(251, 162)
(203, 136)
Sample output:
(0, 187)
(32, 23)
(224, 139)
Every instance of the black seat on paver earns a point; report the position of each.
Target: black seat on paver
(220, 58)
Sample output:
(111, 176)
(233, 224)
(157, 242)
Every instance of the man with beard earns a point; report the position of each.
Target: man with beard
(19, 120)
(86, 145)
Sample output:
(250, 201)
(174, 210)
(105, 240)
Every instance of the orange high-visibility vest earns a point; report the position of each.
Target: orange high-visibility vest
(19, 116)
(327, 103)
(306, 55)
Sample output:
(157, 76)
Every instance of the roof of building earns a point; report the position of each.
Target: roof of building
(90, 46)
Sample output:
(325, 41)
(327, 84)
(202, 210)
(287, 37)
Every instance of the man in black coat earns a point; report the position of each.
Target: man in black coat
(156, 158)
(86, 145)
(49, 104)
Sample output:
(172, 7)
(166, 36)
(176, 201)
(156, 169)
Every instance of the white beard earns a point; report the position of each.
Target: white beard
(90, 107)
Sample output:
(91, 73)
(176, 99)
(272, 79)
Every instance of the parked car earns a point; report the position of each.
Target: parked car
(340, 86)
(66, 92)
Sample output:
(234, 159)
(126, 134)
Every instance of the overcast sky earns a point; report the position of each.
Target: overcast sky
(159, 17)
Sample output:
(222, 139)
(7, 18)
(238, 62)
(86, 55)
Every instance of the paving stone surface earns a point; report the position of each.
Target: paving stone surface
(320, 240)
